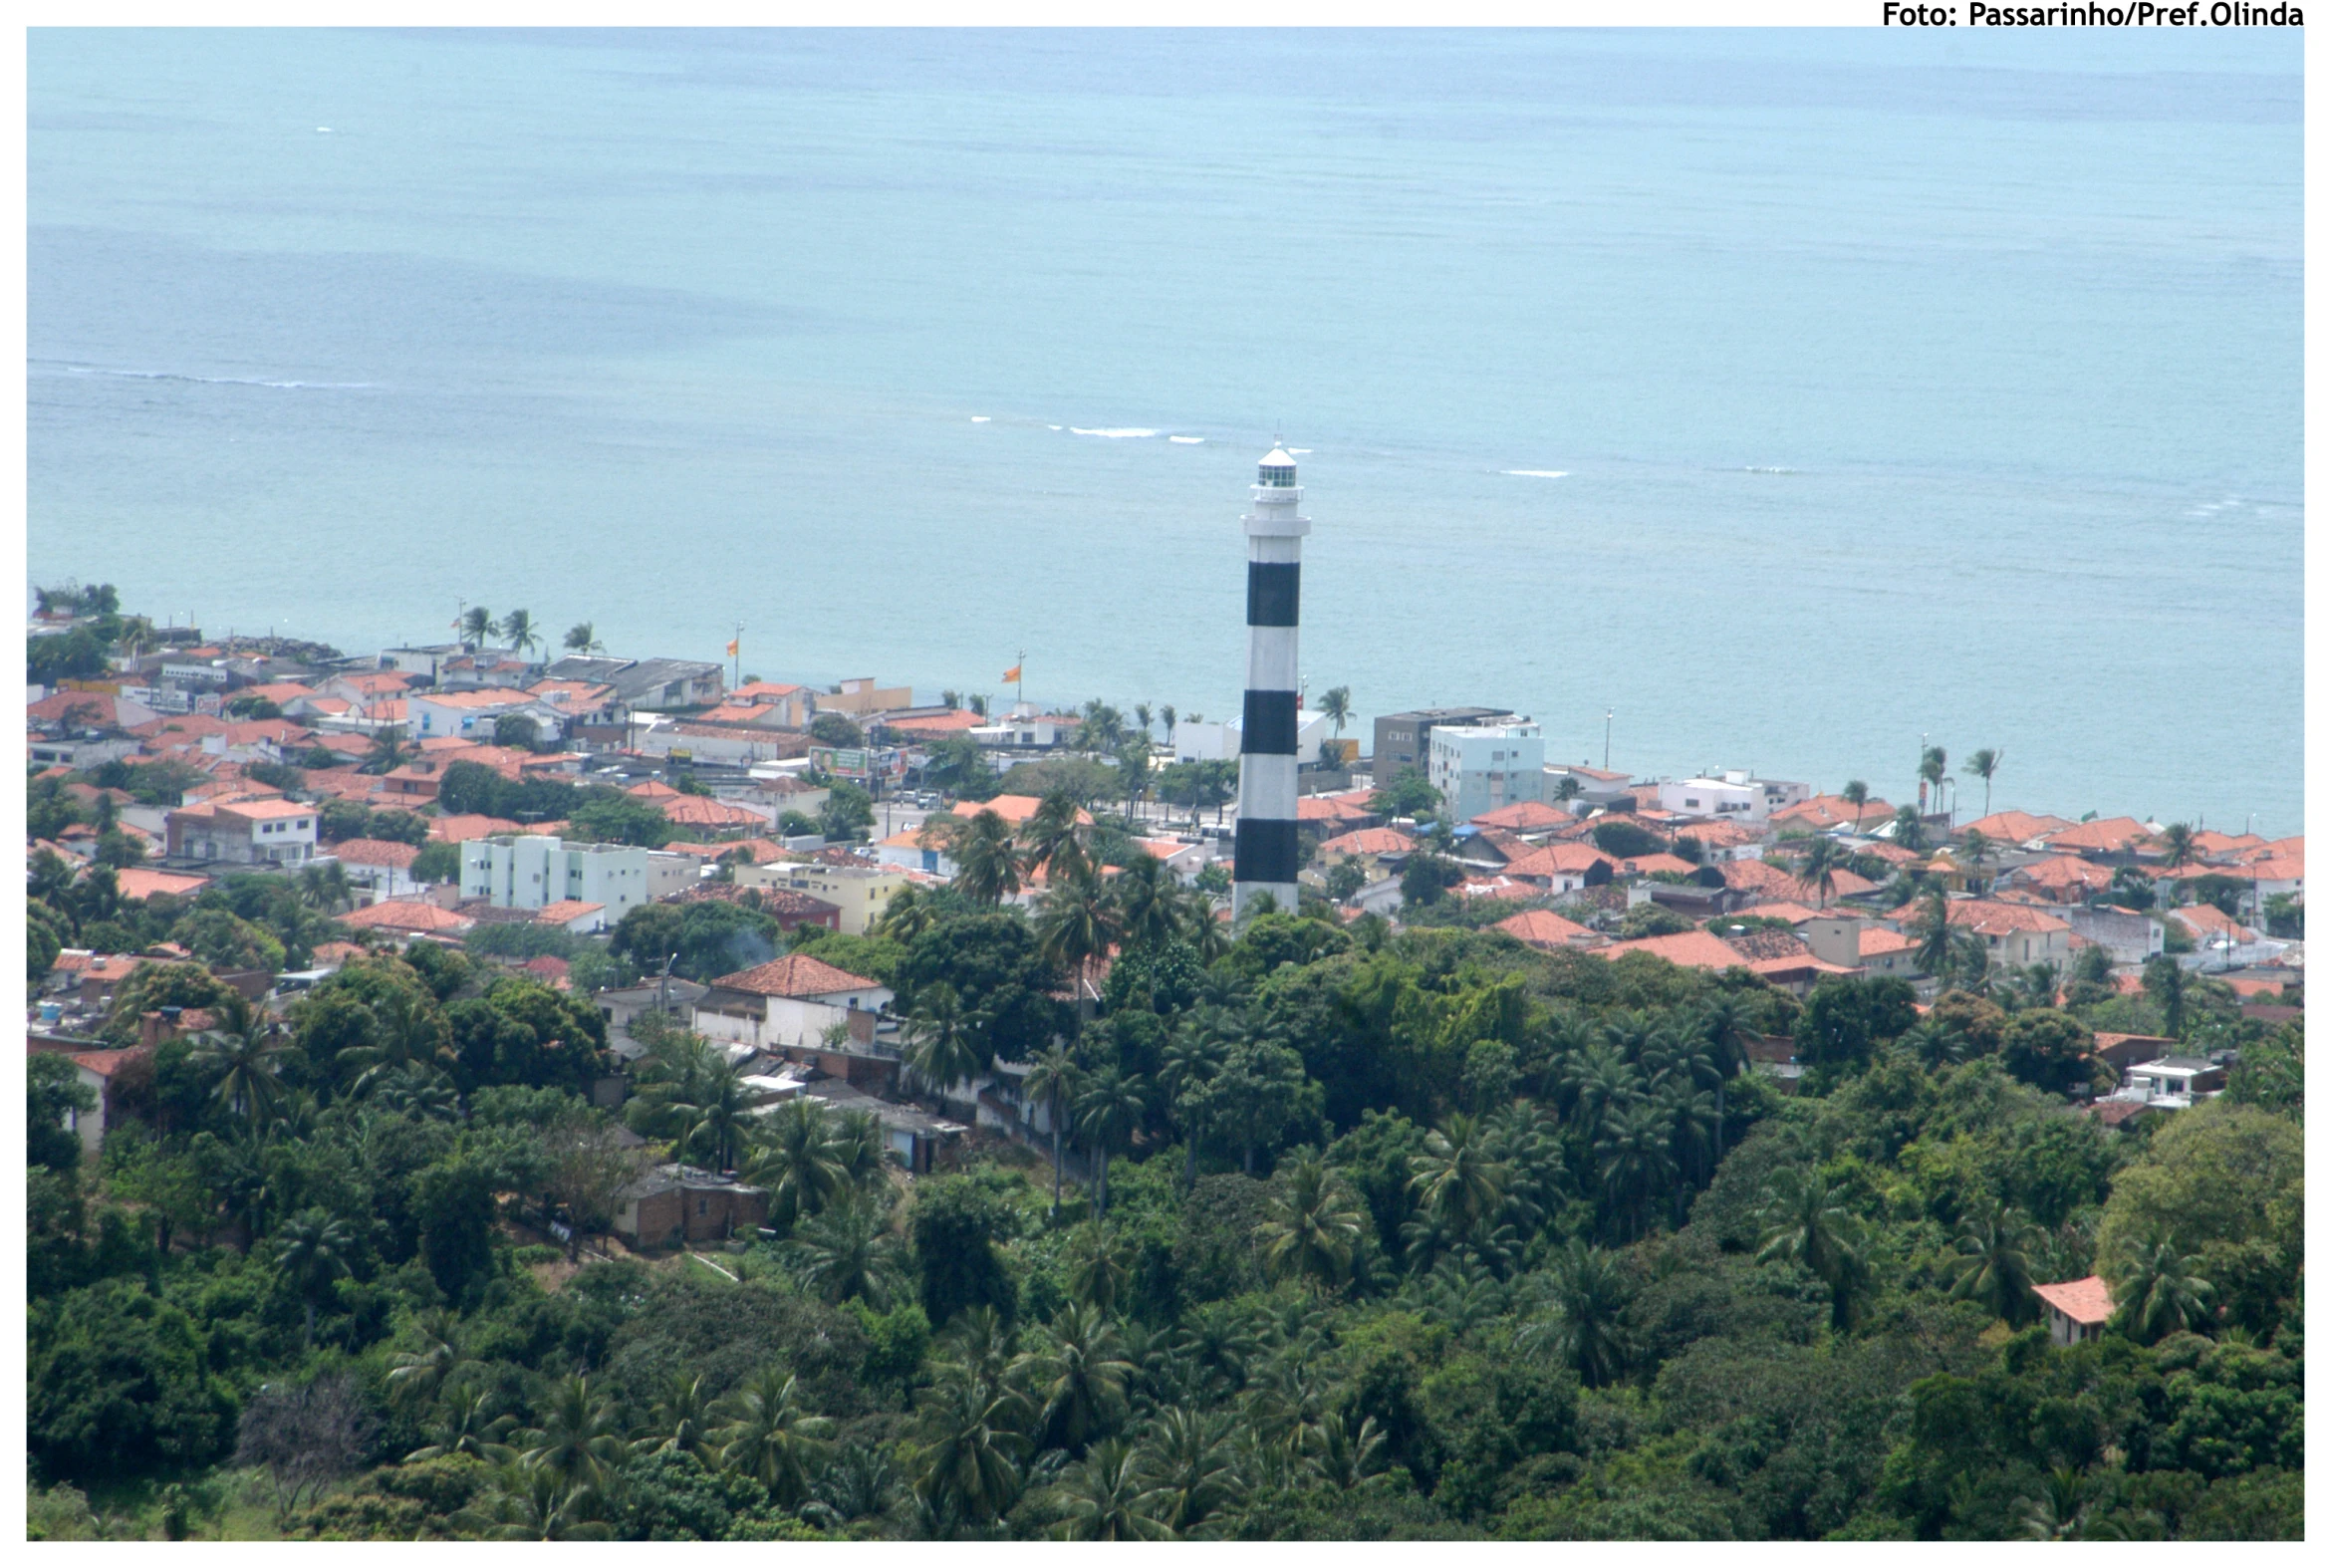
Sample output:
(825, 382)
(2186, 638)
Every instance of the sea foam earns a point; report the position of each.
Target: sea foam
(1536, 473)
(1128, 434)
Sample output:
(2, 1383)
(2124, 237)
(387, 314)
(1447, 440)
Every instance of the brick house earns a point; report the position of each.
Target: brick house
(675, 1203)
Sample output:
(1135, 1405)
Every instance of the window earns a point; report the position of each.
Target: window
(700, 1204)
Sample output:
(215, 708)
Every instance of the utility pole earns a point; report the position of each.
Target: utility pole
(1607, 713)
(736, 658)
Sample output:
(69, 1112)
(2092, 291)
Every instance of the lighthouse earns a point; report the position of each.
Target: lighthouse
(1265, 856)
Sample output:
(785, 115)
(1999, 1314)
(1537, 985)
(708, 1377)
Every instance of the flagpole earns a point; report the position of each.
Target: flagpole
(736, 655)
(1020, 686)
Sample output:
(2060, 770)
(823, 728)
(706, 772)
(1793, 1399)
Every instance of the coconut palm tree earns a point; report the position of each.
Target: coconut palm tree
(1111, 1105)
(1818, 867)
(1910, 829)
(312, 1250)
(772, 1437)
(531, 1504)
(1052, 837)
(1339, 1454)
(795, 1159)
(388, 752)
(1996, 1246)
(1052, 1079)
(583, 638)
(469, 1426)
(1457, 1180)
(1149, 902)
(1933, 955)
(1076, 1377)
(943, 1041)
(1336, 708)
(1098, 1266)
(1634, 1154)
(2156, 1291)
(519, 627)
(1167, 717)
(988, 859)
(325, 888)
(1857, 795)
(1076, 924)
(716, 1116)
(1104, 1497)
(1132, 766)
(1934, 768)
(1190, 1464)
(407, 1032)
(1981, 764)
(580, 1440)
(972, 1443)
(246, 1054)
(435, 1359)
(1808, 1222)
(1587, 1329)
(2177, 846)
(848, 1254)
(681, 1422)
(1974, 849)
(1312, 1228)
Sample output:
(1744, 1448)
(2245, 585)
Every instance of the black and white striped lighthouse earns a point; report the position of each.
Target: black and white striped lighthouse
(1265, 856)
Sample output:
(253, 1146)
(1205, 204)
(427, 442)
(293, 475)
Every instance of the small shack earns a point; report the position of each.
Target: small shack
(2078, 1309)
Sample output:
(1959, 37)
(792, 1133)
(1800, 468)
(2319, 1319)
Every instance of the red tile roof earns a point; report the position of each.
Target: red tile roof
(462, 827)
(794, 975)
(1693, 949)
(1369, 841)
(1543, 928)
(1782, 881)
(1014, 809)
(2017, 827)
(137, 881)
(2085, 1301)
(407, 915)
(1830, 811)
(562, 911)
(2105, 836)
(1559, 860)
(1524, 816)
(375, 852)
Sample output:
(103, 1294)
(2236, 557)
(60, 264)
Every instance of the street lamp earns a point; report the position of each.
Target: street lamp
(1607, 713)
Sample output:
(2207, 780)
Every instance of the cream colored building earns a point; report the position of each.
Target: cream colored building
(860, 891)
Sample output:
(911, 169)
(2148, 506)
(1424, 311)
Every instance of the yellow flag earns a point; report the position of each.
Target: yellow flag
(732, 647)
(1012, 674)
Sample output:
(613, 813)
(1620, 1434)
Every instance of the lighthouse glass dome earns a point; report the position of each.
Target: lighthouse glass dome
(1278, 469)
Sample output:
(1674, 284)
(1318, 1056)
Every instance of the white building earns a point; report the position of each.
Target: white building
(1209, 741)
(1731, 793)
(1481, 767)
(790, 1001)
(532, 870)
(243, 832)
(474, 714)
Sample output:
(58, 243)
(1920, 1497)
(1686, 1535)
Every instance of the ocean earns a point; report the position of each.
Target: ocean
(1793, 395)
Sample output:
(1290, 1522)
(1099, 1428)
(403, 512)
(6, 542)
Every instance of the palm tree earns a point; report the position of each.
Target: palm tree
(246, 1056)
(1932, 926)
(1818, 867)
(1166, 716)
(1910, 829)
(583, 638)
(1336, 708)
(1106, 1500)
(1456, 1179)
(519, 627)
(771, 1437)
(469, 1426)
(1133, 765)
(848, 1254)
(1587, 1331)
(1076, 924)
(681, 1422)
(435, 1359)
(1077, 1377)
(1809, 1223)
(795, 1159)
(2157, 1291)
(2165, 987)
(1996, 1244)
(718, 1112)
(530, 1503)
(1974, 849)
(2177, 846)
(389, 752)
(1052, 1078)
(908, 916)
(971, 1441)
(1098, 1266)
(410, 1034)
(312, 1250)
(1634, 1153)
(1149, 902)
(1107, 1108)
(1190, 1464)
(1145, 716)
(1982, 765)
(1054, 839)
(1857, 795)
(943, 1041)
(1725, 1024)
(1313, 1227)
(1934, 768)
(478, 623)
(580, 1438)
(987, 861)
(325, 888)
(1341, 1455)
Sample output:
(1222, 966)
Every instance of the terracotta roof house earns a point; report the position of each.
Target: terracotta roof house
(1014, 809)
(1544, 929)
(790, 1002)
(1328, 809)
(1781, 883)
(1693, 949)
(2208, 921)
(375, 852)
(2105, 836)
(701, 811)
(1369, 841)
(461, 826)
(1647, 864)
(1565, 866)
(2066, 879)
(138, 882)
(1823, 812)
(2078, 1309)
(1525, 815)
(407, 917)
(2017, 827)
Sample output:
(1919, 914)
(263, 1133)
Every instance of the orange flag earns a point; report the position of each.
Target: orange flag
(732, 647)
(1012, 674)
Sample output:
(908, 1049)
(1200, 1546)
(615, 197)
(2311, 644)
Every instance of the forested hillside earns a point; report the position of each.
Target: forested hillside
(1403, 1236)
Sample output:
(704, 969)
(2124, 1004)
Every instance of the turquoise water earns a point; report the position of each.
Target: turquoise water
(1895, 385)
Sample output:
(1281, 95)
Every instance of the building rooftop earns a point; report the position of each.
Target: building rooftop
(794, 975)
(2087, 1302)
